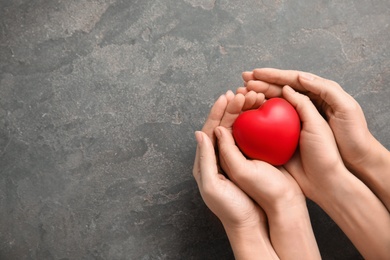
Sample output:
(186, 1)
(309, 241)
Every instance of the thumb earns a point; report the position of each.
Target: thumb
(329, 91)
(205, 167)
(303, 105)
(231, 158)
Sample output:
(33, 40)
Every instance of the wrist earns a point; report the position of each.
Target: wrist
(250, 242)
(373, 171)
(375, 156)
(292, 234)
(360, 214)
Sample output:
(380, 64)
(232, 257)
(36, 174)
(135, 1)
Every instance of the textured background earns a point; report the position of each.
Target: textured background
(99, 100)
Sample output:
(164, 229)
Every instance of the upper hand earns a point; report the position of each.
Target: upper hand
(318, 163)
(361, 152)
(343, 113)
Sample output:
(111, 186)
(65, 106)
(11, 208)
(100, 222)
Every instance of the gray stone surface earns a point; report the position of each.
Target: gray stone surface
(99, 100)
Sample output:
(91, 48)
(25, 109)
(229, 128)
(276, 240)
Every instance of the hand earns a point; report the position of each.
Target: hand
(319, 170)
(361, 152)
(317, 164)
(344, 114)
(244, 221)
(272, 188)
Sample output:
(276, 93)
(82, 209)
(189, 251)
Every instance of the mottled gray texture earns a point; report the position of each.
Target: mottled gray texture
(99, 100)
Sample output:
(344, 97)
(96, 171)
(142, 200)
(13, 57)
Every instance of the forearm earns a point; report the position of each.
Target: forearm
(360, 214)
(292, 234)
(374, 171)
(250, 244)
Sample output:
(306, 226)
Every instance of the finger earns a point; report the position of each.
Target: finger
(250, 100)
(303, 105)
(242, 90)
(268, 89)
(229, 95)
(234, 164)
(232, 111)
(329, 91)
(279, 77)
(294, 166)
(253, 100)
(231, 157)
(247, 75)
(205, 167)
(259, 100)
(214, 118)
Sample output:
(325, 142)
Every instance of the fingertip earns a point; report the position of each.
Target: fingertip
(240, 96)
(221, 99)
(291, 95)
(250, 100)
(222, 133)
(242, 90)
(229, 95)
(288, 90)
(199, 137)
(259, 100)
(218, 132)
(247, 75)
(302, 104)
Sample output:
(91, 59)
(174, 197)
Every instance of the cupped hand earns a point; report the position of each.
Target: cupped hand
(268, 185)
(318, 160)
(342, 112)
(318, 163)
(244, 221)
(231, 205)
(228, 202)
(319, 170)
(274, 189)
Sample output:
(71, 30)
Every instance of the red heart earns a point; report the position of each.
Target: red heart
(269, 133)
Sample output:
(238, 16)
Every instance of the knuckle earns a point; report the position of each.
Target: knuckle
(351, 105)
(333, 83)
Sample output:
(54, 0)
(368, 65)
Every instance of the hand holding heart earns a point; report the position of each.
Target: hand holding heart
(268, 185)
(244, 221)
(318, 167)
(274, 189)
(224, 198)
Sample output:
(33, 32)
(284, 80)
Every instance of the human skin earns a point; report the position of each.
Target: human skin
(320, 172)
(290, 228)
(274, 189)
(244, 221)
(362, 153)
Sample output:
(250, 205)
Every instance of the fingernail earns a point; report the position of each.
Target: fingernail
(198, 137)
(306, 76)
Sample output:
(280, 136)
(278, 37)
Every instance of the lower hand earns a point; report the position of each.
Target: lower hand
(244, 221)
(274, 189)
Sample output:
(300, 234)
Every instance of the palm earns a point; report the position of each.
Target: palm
(268, 183)
(240, 208)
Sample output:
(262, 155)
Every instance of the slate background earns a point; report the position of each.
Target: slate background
(99, 100)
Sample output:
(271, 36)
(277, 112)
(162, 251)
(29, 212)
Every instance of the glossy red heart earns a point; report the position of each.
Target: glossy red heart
(269, 133)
